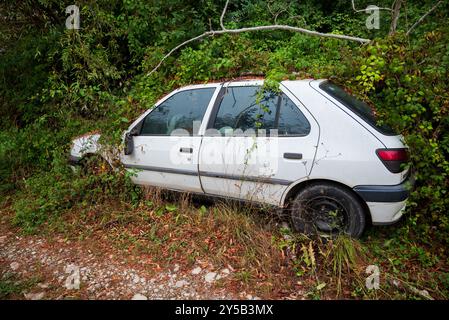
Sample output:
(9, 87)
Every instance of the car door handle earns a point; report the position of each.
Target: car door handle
(293, 156)
(186, 150)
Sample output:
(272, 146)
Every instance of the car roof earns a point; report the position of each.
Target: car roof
(240, 81)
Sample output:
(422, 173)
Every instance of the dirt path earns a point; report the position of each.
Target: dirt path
(60, 269)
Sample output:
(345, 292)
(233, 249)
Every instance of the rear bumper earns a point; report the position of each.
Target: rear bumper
(386, 203)
(385, 213)
(394, 193)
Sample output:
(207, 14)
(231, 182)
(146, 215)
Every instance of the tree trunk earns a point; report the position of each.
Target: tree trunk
(395, 16)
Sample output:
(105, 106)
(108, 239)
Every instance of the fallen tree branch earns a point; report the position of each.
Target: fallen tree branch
(259, 28)
(249, 29)
(423, 17)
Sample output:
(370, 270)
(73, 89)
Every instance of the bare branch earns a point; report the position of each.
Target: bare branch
(223, 14)
(364, 10)
(298, 16)
(205, 34)
(249, 29)
(279, 12)
(423, 17)
(294, 29)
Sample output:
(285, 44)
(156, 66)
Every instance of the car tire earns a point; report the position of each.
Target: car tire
(327, 209)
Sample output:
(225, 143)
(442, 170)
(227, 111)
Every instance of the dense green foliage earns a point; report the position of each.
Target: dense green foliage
(56, 83)
(408, 84)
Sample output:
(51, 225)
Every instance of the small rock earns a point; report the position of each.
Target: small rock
(181, 283)
(210, 277)
(425, 294)
(139, 296)
(43, 285)
(225, 272)
(176, 269)
(197, 270)
(34, 296)
(136, 279)
(14, 265)
(249, 297)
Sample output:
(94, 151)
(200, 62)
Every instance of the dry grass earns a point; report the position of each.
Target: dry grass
(269, 260)
(170, 228)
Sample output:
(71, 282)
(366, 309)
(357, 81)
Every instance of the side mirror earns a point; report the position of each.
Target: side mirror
(129, 143)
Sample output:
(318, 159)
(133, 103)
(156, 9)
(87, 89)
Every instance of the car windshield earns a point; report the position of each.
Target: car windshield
(359, 107)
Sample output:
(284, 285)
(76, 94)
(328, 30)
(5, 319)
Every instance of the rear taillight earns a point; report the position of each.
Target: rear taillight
(393, 159)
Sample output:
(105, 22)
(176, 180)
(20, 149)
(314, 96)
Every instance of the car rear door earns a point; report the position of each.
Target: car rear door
(260, 166)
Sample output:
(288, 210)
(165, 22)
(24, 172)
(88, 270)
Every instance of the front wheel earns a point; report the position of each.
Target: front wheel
(327, 209)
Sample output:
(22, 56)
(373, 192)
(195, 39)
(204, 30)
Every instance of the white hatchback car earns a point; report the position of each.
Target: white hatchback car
(310, 148)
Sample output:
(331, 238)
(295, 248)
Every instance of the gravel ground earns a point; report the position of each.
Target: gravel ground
(61, 269)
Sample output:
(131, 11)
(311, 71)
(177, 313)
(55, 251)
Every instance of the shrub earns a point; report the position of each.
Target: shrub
(408, 85)
(47, 195)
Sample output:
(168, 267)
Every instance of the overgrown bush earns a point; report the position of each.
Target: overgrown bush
(407, 83)
(47, 195)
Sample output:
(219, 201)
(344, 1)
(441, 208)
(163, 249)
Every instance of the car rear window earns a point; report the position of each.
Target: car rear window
(359, 107)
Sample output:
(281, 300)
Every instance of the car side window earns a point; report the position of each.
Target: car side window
(292, 121)
(180, 111)
(243, 109)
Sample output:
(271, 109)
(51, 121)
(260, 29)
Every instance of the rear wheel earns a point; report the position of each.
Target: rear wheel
(327, 209)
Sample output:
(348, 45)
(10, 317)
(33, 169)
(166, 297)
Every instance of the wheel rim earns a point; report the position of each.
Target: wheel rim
(324, 214)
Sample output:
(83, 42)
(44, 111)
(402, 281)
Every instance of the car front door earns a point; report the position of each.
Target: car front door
(166, 141)
(243, 156)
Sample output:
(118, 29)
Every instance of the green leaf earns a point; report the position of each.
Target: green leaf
(171, 207)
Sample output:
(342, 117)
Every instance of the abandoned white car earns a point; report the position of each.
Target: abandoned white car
(310, 148)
